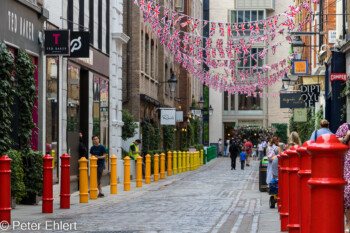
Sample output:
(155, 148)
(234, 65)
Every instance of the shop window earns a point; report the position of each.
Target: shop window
(51, 104)
(101, 110)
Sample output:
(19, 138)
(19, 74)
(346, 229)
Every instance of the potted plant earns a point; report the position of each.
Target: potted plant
(33, 176)
(17, 175)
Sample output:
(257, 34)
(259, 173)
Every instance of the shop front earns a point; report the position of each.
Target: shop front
(20, 28)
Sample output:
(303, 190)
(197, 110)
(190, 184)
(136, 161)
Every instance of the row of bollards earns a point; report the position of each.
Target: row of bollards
(177, 162)
(311, 187)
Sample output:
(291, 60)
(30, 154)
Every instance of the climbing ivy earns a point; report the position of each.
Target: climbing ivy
(155, 136)
(26, 94)
(129, 127)
(7, 93)
(304, 129)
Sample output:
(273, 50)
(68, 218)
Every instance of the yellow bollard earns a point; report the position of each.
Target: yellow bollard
(192, 159)
(196, 155)
(148, 169)
(114, 189)
(93, 177)
(179, 169)
(184, 155)
(83, 180)
(188, 160)
(127, 173)
(139, 172)
(175, 162)
(53, 158)
(198, 159)
(202, 158)
(156, 168)
(162, 166)
(169, 164)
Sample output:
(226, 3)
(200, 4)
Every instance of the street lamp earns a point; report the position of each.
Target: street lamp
(172, 82)
(298, 47)
(211, 110)
(285, 82)
(201, 102)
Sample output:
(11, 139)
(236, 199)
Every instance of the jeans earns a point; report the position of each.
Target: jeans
(260, 154)
(242, 164)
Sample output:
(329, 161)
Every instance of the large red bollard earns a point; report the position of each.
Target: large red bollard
(305, 191)
(5, 194)
(283, 191)
(327, 184)
(65, 182)
(279, 177)
(293, 191)
(47, 206)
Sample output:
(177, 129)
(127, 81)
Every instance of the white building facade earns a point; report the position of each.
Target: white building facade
(240, 109)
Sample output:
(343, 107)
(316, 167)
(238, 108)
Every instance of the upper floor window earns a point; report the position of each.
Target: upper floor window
(243, 17)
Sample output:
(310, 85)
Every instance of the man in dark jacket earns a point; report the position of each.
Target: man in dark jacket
(233, 153)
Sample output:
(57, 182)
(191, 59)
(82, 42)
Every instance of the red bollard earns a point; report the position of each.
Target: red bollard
(305, 191)
(279, 178)
(327, 184)
(47, 206)
(293, 191)
(65, 182)
(5, 194)
(283, 191)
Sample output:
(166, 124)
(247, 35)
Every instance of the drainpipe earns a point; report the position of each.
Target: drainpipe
(344, 19)
(128, 55)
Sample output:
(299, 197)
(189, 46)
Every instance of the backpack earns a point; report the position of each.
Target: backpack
(271, 152)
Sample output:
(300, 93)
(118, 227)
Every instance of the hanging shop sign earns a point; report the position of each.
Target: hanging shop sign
(300, 67)
(168, 116)
(57, 42)
(338, 76)
(310, 94)
(300, 115)
(179, 116)
(79, 44)
(291, 100)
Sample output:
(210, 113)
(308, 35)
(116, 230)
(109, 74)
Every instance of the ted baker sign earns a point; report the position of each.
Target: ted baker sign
(339, 76)
(57, 42)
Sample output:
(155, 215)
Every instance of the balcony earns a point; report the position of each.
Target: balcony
(255, 4)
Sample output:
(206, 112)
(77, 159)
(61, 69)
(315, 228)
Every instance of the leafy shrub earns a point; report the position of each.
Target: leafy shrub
(129, 127)
(17, 174)
(33, 172)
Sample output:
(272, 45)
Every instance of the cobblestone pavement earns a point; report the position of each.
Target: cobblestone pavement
(211, 199)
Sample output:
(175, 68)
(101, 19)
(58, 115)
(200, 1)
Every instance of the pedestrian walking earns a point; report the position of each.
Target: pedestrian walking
(243, 156)
(220, 147)
(99, 151)
(293, 140)
(226, 147)
(260, 150)
(233, 154)
(343, 133)
(83, 150)
(324, 129)
(248, 150)
(272, 151)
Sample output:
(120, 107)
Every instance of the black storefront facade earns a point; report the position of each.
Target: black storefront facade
(333, 90)
(21, 28)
